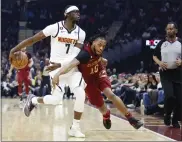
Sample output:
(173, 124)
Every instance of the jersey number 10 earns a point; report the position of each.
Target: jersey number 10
(68, 48)
(94, 69)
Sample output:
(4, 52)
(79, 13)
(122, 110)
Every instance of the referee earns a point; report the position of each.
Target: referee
(168, 56)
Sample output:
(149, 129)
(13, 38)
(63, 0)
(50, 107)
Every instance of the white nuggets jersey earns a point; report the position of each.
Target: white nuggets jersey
(63, 41)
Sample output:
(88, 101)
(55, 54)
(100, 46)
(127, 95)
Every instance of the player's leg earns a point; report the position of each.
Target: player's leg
(177, 116)
(105, 86)
(54, 99)
(96, 99)
(19, 78)
(77, 86)
(27, 82)
(106, 115)
(20, 82)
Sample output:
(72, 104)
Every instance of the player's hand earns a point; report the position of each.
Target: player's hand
(163, 65)
(55, 80)
(53, 66)
(104, 62)
(178, 62)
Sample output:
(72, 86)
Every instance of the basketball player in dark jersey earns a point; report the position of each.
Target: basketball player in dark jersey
(89, 61)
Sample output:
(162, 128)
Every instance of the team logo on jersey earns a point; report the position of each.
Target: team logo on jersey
(61, 28)
(93, 62)
(67, 40)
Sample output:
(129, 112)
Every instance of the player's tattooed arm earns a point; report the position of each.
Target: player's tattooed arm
(82, 58)
(81, 40)
(28, 42)
(66, 68)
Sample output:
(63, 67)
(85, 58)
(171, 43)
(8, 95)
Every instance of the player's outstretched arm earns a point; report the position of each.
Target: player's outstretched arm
(66, 68)
(50, 30)
(82, 58)
(28, 42)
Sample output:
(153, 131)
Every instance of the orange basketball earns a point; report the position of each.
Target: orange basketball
(19, 60)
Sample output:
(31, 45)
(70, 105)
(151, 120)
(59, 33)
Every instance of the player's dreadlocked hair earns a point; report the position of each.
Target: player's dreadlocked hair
(97, 36)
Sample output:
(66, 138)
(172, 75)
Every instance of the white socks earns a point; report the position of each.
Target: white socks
(34, 101)
(76, 123)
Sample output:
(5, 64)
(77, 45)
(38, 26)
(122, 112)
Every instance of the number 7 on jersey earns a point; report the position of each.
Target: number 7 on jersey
(68, 48)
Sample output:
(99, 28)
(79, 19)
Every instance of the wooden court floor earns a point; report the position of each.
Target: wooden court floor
(51, 123)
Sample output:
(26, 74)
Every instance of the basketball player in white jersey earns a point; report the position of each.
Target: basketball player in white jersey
(66, 40)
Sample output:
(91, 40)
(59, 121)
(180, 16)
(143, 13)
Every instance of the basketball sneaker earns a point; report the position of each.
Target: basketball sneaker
(76, 132)
(29, 105)
(107, 120)
(175, 122)
(135, 123)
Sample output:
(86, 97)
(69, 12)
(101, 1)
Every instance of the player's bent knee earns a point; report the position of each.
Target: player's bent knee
(109, 94)
(52, 100)
(57, 91)
(79, 93)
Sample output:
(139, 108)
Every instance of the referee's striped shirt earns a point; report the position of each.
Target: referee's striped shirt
(169, 51)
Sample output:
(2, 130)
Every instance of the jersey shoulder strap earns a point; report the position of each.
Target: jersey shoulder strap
(57, 31)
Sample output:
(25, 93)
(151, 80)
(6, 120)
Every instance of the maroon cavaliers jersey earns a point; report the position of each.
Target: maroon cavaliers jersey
(90, 64)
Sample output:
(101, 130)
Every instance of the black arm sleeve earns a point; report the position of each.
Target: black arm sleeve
(157, 50)
(83, 57)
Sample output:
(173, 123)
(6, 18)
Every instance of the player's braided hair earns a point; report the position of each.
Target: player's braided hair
(100, 36)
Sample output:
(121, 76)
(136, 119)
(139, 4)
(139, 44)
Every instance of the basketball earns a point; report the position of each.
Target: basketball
(19, 60)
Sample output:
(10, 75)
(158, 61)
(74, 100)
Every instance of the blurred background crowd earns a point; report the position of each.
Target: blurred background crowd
(126, 24)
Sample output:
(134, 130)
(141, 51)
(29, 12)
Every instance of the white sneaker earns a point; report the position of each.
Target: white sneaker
(76, 132)
(131, 106)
